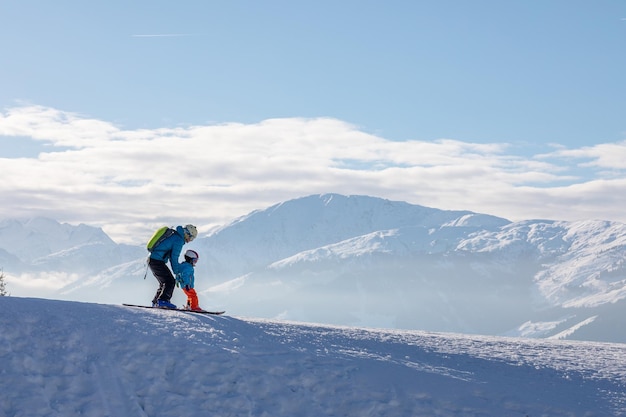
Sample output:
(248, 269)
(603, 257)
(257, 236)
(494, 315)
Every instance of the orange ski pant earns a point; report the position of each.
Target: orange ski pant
(192, 297)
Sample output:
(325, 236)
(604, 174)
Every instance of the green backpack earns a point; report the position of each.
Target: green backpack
(159, 236)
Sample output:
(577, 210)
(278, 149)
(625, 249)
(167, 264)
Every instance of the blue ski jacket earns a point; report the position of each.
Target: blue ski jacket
(170, 249)
(185, 276)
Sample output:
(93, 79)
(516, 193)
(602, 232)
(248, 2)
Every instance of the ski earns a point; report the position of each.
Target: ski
(215, 313)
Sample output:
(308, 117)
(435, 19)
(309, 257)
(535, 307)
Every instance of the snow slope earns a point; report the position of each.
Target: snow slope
(68, 359)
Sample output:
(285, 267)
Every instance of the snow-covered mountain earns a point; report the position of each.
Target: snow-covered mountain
(77, 359)
(42, 244)
(286, 229)
(366, 261)
(41, 255)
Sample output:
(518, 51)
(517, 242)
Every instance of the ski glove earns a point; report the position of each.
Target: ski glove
(179, 281)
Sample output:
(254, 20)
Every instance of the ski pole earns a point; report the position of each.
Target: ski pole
(146, 274)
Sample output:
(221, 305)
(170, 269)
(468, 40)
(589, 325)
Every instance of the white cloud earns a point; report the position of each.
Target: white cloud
(128, 181)
(42, 280)
(604, 155)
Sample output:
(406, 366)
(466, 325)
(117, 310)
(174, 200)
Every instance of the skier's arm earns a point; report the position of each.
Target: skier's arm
(177, 247)
(185, 276)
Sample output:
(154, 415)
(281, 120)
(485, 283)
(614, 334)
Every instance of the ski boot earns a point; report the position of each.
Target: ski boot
(165, 304)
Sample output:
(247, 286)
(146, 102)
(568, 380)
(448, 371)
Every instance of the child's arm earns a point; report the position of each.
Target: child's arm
(185, 275)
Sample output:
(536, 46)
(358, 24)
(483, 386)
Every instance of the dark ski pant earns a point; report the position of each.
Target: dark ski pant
(166, 280)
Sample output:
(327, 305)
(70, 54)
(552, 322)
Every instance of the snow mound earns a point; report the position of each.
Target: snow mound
(67, 359)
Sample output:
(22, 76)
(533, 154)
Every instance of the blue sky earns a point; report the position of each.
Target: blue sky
(540, 84)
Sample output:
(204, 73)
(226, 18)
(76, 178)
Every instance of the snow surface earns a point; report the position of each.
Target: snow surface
(63, 358)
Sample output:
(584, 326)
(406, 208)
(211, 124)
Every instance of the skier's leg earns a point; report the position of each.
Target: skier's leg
(192, 298)
(166, 280)
(158, 294)
(168, 288)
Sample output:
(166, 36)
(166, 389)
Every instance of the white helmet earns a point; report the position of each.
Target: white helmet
(191, 231)
(192, 256)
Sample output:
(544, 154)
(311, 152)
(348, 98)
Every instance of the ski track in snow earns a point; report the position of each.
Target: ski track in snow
(76, 359)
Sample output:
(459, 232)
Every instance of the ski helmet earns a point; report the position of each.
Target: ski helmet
(192, 256)
(191, 231)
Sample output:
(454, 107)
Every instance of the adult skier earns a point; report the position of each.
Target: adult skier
(169, 249)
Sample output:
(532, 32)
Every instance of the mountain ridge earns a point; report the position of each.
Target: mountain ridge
(361, 260)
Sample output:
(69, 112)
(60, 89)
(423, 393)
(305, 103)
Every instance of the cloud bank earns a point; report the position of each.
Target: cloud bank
(130, 181)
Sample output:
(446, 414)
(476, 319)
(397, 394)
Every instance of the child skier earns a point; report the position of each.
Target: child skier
(185, 278)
